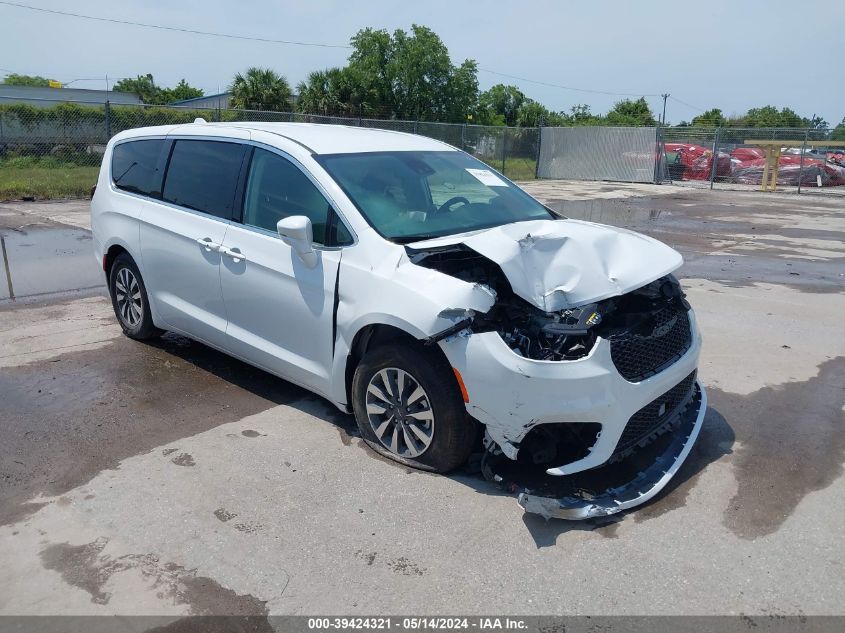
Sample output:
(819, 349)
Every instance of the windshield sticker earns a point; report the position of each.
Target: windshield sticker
(487, 177)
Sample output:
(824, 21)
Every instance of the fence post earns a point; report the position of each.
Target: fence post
(715, 156)
(416, 124)
(504, 148)
(801, 161)
(464, 137)
(658, 155)
(539, 144)
(107, 111)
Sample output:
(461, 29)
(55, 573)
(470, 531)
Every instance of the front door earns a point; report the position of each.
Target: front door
(280, 310)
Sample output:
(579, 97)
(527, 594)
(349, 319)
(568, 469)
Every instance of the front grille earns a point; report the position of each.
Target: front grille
(638, 357)
(655, 417)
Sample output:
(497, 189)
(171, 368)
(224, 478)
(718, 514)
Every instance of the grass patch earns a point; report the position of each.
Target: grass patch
(44, 183)
(515, 168)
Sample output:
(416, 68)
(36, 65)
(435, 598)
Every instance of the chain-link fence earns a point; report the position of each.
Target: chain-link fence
(53, 149)
(790, 159)
(625, 154)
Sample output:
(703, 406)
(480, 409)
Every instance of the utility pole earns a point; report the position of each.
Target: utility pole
(665, 96)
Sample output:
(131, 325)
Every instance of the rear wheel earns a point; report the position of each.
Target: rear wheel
(408, 407)
(129, 299)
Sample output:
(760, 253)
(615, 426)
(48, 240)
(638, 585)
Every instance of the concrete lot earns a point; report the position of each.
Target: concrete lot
(169, 479)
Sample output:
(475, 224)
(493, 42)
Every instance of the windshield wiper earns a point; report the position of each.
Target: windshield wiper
(407, 239)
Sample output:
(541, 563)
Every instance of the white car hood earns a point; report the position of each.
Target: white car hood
(558, 264)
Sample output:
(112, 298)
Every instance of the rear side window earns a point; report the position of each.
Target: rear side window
(133, 166)
(203, 175)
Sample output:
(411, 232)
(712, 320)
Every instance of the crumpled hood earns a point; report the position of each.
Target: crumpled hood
(558, 264)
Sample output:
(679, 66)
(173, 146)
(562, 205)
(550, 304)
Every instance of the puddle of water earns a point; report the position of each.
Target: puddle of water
(49, 260)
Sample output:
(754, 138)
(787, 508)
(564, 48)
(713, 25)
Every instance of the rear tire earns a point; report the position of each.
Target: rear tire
(423, 424)
(129, 300)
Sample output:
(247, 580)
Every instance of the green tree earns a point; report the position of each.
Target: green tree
(261, 89)
(580, 114)
(709, 118)
(838, 133)
(336, 91)
(181, 92)
(631, 113)
(409, 75)
(143, 85)
(14, 79)
(370, 67)
(769, 116)
(500, 105)
(462, 91)
(318, 93)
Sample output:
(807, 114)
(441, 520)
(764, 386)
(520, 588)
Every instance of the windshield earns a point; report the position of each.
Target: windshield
(408, 196)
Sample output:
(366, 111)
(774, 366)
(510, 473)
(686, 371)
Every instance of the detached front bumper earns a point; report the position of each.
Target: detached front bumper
(643, 486)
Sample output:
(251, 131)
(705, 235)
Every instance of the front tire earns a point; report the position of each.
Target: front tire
(129, 300)
(409, 408)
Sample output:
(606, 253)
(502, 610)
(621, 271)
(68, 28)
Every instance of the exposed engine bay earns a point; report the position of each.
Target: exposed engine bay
(568, 334)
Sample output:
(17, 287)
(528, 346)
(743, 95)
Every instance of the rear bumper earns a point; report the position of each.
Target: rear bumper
(644, 486)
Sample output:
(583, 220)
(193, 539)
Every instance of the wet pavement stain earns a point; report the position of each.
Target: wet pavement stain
(88, 568)
(184, 459)
(715, 440)
(79, 567)
(699, 226)
(96, 408)
(224, 515)
(405, 567)
(791, 442)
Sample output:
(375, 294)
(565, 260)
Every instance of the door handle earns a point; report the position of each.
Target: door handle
(234, 253)
(208, 245)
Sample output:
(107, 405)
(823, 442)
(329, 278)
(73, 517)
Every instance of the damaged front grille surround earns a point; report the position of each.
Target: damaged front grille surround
(639, 356)
(655, 418)
(635, 323)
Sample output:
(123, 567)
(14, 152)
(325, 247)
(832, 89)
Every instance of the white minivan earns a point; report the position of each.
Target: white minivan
(410, 284)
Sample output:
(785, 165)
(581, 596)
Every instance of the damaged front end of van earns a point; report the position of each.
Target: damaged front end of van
(582, 363)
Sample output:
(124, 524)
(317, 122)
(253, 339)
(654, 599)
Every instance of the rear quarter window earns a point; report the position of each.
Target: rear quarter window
(203, 176)
(134, 166)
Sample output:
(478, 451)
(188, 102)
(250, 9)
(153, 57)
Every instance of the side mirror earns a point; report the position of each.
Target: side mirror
(296, 232)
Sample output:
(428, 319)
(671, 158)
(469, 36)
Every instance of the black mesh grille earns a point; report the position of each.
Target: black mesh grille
(638, 357)
(654, 416)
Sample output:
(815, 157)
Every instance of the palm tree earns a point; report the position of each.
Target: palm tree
(317, 94)
(261, 89)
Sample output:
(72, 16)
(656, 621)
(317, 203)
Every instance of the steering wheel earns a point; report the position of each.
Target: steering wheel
(451, 202)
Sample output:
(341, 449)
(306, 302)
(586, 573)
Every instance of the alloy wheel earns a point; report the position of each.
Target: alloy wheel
(127, 291)
(399, 412)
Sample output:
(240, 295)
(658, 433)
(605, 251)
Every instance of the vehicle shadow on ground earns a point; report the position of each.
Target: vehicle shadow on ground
(715, 440)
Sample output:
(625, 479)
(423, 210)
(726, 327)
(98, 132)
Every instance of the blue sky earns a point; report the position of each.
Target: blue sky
(728, 54)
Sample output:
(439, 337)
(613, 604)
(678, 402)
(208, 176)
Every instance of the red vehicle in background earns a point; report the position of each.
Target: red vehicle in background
(687, 161)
